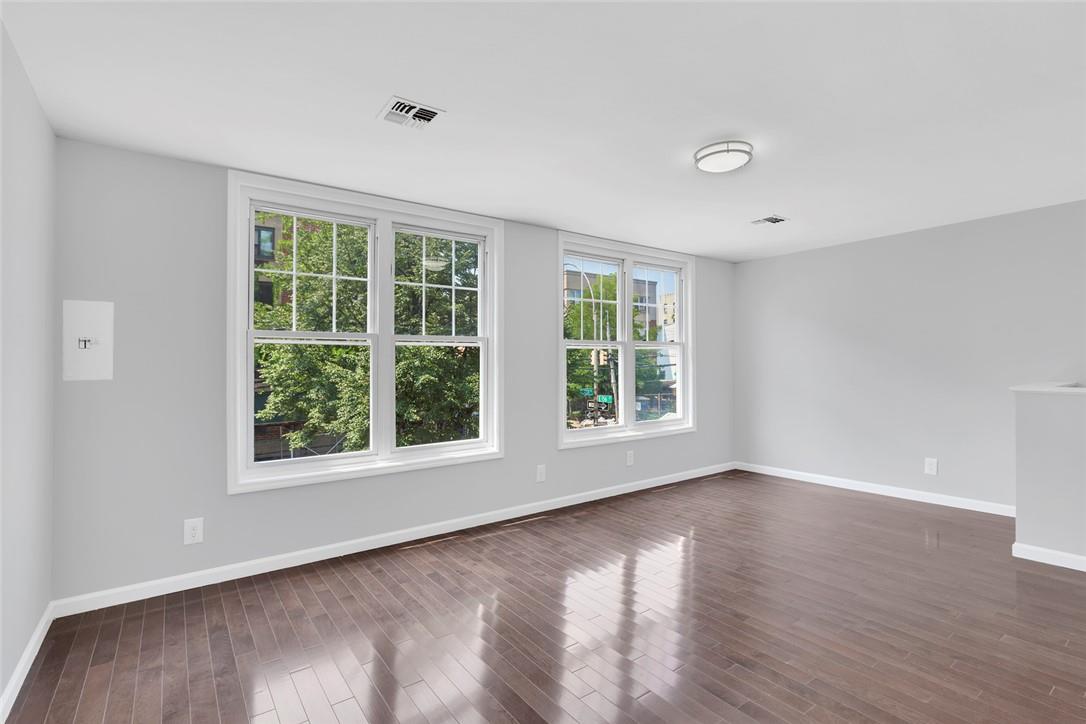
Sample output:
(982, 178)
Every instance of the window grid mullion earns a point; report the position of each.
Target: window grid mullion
(335, 284)
(384, 370)
(290, 334)
(423, 263)
(315, 275)
(294, 273)
(429, 285)
(452, 280)
(626, 357)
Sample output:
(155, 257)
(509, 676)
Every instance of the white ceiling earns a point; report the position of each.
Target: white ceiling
(867, 119)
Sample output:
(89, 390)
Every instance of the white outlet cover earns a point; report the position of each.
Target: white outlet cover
(87, 340)
(629, 457)
(194, 531)
(931, 466)
(540, 473)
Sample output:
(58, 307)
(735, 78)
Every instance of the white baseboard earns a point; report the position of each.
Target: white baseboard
(892, 491)
(172, 584)
(26, 660)
(1050, 556)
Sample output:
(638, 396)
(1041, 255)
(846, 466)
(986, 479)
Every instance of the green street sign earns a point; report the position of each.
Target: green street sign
(606, 398)
(586, 392)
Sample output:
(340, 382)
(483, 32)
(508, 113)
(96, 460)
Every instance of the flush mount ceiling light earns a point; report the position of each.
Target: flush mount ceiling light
(723, 156)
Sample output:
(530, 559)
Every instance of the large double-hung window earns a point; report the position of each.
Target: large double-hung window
(362, 338)
(625, 357)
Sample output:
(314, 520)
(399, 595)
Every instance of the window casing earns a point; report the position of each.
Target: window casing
(332, 366)
(625, 358)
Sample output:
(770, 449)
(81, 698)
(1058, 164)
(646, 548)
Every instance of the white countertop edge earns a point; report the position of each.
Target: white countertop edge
(1053, 388)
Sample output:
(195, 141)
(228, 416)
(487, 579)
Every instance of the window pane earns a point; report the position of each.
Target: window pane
(644, 325)
(408, 257)
(657, 289)
(601, 321)
(271, 300)
(438, 311)
(467, 312)
(606, 282)
(351, 298)
(352, 250)
(438, 261)
(572, 278)
(572, 292)
(310, 399)
(408, 309)
(590, 291)
(437, 394)
(273, 241)
(668, 330)
(467, 264)
(572, 318)
(314, 304)
(656, 385)
(639, 291)
(592, 383)
(587, 320)
(314, 245)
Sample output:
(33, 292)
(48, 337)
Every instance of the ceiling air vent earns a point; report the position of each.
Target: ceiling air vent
(774, 219)
(408, 113)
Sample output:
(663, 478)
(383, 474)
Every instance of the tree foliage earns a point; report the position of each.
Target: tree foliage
(317, 389)
(437, 394)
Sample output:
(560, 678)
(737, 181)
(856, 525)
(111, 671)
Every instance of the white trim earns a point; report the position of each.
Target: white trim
(184, 581)
(1053, 388)
(1052, 557)
(382, 215)
(361, 465)
(616, 433)
(26, 660)
(627, 428)
(891, 491)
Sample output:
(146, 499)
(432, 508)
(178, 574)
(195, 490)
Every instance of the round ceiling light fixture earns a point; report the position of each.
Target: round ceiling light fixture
(723, 156)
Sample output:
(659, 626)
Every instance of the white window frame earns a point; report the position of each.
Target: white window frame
(246, 191)
(628, 428)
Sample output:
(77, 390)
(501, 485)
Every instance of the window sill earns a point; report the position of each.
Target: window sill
(253, 480)
(587, 438)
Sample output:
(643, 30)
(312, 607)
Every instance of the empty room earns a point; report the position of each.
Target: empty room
(453, 362)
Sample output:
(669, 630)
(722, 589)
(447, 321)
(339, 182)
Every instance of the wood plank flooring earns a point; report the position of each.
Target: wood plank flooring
(735, 598)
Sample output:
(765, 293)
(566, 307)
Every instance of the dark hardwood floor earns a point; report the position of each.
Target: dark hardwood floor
(735, 598)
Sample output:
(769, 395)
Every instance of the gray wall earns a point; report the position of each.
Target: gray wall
(1051, 471)
(145, 451)
(28, 334)
(859, 361)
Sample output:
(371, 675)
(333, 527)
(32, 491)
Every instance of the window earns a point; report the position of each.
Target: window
(625, 369)
(437, 348)
(362, 337)
(310, 324)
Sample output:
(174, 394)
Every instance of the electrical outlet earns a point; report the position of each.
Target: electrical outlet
(540, 473)
(931, 466)
(629, 458)
(194, 531)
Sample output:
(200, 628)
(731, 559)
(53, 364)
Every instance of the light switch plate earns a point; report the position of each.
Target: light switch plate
(87, 340)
